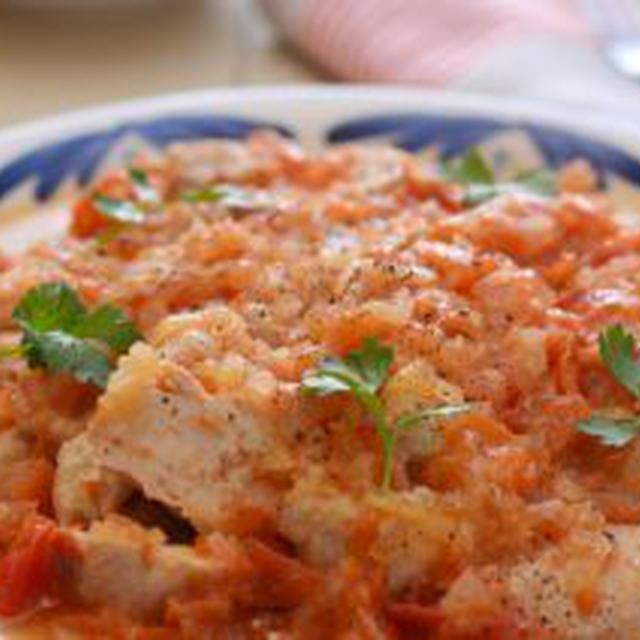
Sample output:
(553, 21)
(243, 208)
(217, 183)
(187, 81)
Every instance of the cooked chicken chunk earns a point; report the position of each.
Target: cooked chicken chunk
(584, 589)
(408, 535)
(217, 458)
(125, 565)
(83, 489)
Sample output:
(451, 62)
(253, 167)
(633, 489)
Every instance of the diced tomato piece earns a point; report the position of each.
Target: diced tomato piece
(210, 612)
(415, 617)
(34, 569)
(6, 409)
(28, 480)
(86, 219)
(422, 186)
(279, 581)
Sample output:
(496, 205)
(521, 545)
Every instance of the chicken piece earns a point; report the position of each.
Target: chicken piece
(209, 162)
(216, 457)
(583, 589)
(517, 225)
(416, 536)
(375, 169)
(124, 565)
(510, 295)
(318, 518)
(410, 533)
(83, 489)
(525, 358)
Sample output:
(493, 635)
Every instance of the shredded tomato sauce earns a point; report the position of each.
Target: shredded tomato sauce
(502, 522)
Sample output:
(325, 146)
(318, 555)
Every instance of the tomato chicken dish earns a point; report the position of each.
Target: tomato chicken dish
(361, 393)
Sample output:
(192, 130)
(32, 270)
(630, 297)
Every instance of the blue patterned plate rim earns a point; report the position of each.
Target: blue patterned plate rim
(72, 145)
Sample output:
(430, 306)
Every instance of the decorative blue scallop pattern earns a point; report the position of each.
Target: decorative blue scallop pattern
(454, 134)
(80, 156)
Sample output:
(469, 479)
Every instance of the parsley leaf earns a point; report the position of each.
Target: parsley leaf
(477, 176)
(144, 191)
(478, 193)
(617, 347)
(363, 373)
(48, 307)
(472, 168)
(60, 351)
(125, 211)
(610, 432)
(109, 325)
(541, 182)
(229, 195)
(119, 210)
(206, 194)
(371, 363)
(59, 333)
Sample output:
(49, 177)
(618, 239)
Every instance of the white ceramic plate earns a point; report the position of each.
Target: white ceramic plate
(42, 163)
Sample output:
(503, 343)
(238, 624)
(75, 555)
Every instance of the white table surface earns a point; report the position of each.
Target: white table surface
(54, 60)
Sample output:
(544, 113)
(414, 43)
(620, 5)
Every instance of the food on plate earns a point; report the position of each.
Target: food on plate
(258, 393)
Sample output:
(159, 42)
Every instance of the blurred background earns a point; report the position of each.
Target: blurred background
(62, 54)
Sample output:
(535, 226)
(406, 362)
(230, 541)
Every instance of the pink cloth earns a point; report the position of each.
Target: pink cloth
(425, 41)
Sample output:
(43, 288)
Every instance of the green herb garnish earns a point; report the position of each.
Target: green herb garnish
(471, 168)
(541, 182)
(229, 195)
(610, 432)
(363, 373)
(144, 191)
(475, 174)
(121, 211)
(60, 334)
(617, 347)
